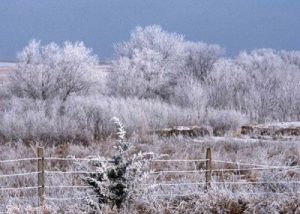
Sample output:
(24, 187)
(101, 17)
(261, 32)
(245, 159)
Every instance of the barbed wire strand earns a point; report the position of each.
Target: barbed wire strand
(76, 159)
(19, 188)
(178, 171)
(73, 198)
(19, 160)
(174, 160)
(62, 187)
(245, 164)
(19, 174)
(71, 172)
(241, 193)
(270, 168)
(108, 160)
(229, 182)
(223, 170)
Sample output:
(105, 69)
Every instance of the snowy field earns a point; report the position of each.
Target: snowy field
(6, 68)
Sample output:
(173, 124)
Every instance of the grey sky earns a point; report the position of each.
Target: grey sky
(234, 24)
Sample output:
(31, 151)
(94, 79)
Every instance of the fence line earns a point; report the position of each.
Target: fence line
(270, 168)
(175, 184)
(76, 159)
(68, 199)
(68, 187)
(167, 160)
(179, 171)
(71, 172)
(223, 182)
(18, 160)
(223, 170)
(19, 188)
(182, 160)
(243, 164)
(154, 172)
(41, 173)
(239, 193)
(19, 174)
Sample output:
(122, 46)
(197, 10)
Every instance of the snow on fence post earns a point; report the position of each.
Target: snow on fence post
(41, 177)
(208, 171)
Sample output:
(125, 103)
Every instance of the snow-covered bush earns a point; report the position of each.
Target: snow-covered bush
(223, 121)
(190, 93)
(118, 181)
(138, 115)
(87, 119)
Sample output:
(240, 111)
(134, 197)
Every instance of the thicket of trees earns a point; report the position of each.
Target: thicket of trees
(157, 79)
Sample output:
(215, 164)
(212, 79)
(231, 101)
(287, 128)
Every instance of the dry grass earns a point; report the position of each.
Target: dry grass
(221, 199)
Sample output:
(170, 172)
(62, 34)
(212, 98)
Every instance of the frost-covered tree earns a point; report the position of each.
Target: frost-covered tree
(261, 84)
(227, 86)
(155, 63)
(268, 75)
(147, 66)
(51, 71)
(200, 58)
(291, 57)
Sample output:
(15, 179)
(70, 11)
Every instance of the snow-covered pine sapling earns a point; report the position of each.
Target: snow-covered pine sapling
(118, 181)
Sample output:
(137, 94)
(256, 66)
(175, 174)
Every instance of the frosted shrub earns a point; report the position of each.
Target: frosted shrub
(87, 119)
(223, 121)
(138, 115)
(190, 93)
(28, 120)
(117, 182)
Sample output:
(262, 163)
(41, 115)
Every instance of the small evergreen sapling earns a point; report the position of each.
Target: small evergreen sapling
(118, 181)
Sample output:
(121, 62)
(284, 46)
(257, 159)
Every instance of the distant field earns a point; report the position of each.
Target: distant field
(6, 68)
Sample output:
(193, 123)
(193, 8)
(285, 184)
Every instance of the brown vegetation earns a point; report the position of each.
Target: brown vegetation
(271, 130)
(188, 131)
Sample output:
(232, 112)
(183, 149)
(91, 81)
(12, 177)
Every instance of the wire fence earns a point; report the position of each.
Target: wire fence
(207, 182)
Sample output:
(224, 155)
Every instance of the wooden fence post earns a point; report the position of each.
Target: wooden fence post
(208, 171)
(41, 177)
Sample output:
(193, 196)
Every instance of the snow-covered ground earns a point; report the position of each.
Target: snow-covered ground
(6, 68)
(7, 64)
(280, 125)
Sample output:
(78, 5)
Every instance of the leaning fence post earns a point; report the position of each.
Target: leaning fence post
(208, 170)
(41, 177)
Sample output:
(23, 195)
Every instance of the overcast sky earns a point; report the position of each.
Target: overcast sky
(234, 24)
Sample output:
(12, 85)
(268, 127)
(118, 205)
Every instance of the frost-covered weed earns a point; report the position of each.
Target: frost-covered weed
(118, 182)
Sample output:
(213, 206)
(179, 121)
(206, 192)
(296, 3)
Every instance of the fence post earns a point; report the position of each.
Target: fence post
(208, 171)
(41, 177)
